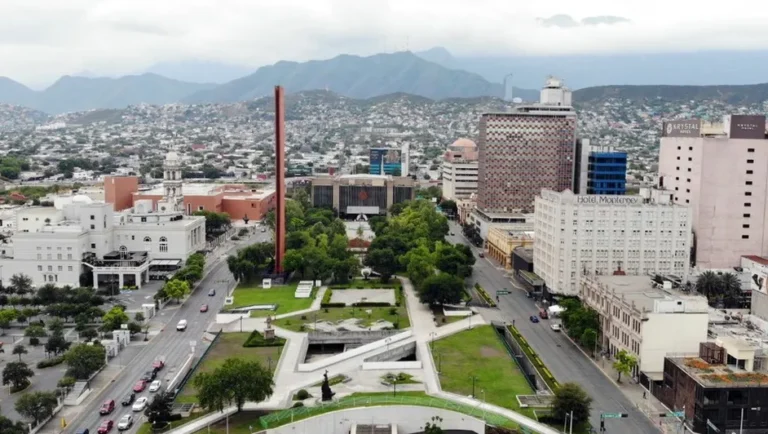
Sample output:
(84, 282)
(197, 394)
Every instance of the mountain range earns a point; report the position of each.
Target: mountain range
(586, 70)
(434, 74)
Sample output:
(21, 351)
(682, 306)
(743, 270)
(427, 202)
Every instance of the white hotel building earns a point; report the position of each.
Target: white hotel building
(638, 235)
(78, 236)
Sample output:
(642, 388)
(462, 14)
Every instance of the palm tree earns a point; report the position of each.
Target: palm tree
(19, 349)
(708, 284)
(730, 288)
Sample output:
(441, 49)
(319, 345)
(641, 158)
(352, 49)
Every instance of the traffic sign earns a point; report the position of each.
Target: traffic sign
(502, 292)
(613, 415)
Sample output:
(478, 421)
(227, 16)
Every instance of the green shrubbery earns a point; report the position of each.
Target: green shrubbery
(256, 339)
(53, 361)
(488, 300)
(534, 358)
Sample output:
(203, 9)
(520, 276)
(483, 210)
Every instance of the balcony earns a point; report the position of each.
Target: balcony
(118, 262)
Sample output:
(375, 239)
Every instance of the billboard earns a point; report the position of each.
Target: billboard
(682, 128)
(385, 161)
(747, 127)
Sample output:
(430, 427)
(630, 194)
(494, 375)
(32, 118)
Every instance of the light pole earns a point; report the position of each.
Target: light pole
(474, 379)
(741, 421)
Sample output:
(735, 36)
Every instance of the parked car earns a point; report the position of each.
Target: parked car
(182, 325)
(149, 376)
(155, 386)
(107, 408)
(82, 431)
(543, 313)
(106, 427)
(263, 229)
(140, 404)
(555, 327)
(128, 400)
(125, 422)
(534, 319)
(481, 254)
(139, 386)
(212, 292)
(204, 308)
(158, 364)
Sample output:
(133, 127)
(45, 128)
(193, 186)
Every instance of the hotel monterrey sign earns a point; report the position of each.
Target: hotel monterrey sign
(607, 200)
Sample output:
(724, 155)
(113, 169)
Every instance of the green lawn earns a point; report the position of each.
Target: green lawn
(283, 296)
(479, 352)
(229, 345)
(334, 314)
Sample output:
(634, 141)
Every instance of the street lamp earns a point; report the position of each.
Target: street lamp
(474, 380)
(741, 422)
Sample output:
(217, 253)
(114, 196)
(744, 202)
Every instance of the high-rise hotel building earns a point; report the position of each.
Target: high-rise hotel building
(527, 149)
(721, 172)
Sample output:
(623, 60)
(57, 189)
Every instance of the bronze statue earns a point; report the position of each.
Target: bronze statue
(325, 389)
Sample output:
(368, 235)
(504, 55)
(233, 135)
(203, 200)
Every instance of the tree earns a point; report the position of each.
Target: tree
(89, 333)
(17, 374)
(6, 316)
(383, 262)
(570, 397)
(432, 426)
(449, 207)
(730, 287)
(294, 261)
(19, 350)
(175, 289)
(708, 284)
(215, 222)
(624, 364)
(441, 289)
(234, 382)
(21, 283)
(83, 360)
(301, 197)
(134, 327)
(159, 410)
(114, 318)
(450, 259)
(8, 426)
(139, 317)
(56, 343)
(35, 331)
(36, 406)
(56, 325)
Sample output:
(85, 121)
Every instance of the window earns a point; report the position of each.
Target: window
(50, 268)
(750, 161)
(58, 256)
(93, 245)
(677, 168)
(745, 237)
(690, 148)
(93, 217)
(60, 268)
(751, 150)
(133, 237)
(749, 172)
(746, 216)
(200, 208)
(147, 240)
(678, 158)
(163, 244)
(747, 204)
(747, 193)
(39, 256)
(690, 159)
(69, 268)
(39, 268)
(688, 180)
(687, 190)
(749, 182)
(677, 178)
(745, 226)
(69, 256)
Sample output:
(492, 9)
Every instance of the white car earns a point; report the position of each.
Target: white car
(155, 386)
(140, 404)
(125, 422)
(555, 326)
(182, 325)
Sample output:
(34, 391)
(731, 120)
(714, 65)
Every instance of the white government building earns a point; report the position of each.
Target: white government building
(634, 235)
(77, 236)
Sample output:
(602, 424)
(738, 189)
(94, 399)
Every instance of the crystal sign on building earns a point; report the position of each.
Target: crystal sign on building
(747, 127)
(682, 128)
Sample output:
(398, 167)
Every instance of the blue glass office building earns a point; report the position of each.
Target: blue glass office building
(607, 173)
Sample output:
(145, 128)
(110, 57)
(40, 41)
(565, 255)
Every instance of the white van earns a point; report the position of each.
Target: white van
(182, 325)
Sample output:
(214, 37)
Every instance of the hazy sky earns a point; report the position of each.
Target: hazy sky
(41, 40)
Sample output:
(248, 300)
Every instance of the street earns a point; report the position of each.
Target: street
(560, 356)
(171, 344)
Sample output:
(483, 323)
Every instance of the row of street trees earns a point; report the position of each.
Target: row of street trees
(412, 241)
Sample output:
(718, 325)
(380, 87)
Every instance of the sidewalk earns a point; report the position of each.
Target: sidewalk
(638, 395)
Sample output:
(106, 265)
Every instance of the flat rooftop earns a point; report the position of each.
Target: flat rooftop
(719, 375)
(641, 291)
(230, 191)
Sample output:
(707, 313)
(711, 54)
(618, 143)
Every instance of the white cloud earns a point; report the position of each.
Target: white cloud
(41, 40)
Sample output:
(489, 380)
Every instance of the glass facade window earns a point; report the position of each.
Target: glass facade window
(607, 173)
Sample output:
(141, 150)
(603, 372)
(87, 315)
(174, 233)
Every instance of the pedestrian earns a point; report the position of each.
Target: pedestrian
(644, 397)
(513, 323)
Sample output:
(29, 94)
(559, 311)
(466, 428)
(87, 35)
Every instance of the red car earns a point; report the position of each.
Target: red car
(105, 427)
(158, 365)
(107, 407)
(139, 386)
(204, 308)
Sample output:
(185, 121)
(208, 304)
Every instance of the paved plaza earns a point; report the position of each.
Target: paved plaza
(351, 296)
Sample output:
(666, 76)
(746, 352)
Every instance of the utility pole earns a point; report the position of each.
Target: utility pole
(474, 379)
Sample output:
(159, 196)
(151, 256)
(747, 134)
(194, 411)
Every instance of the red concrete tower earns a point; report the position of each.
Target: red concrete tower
(279, 178)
